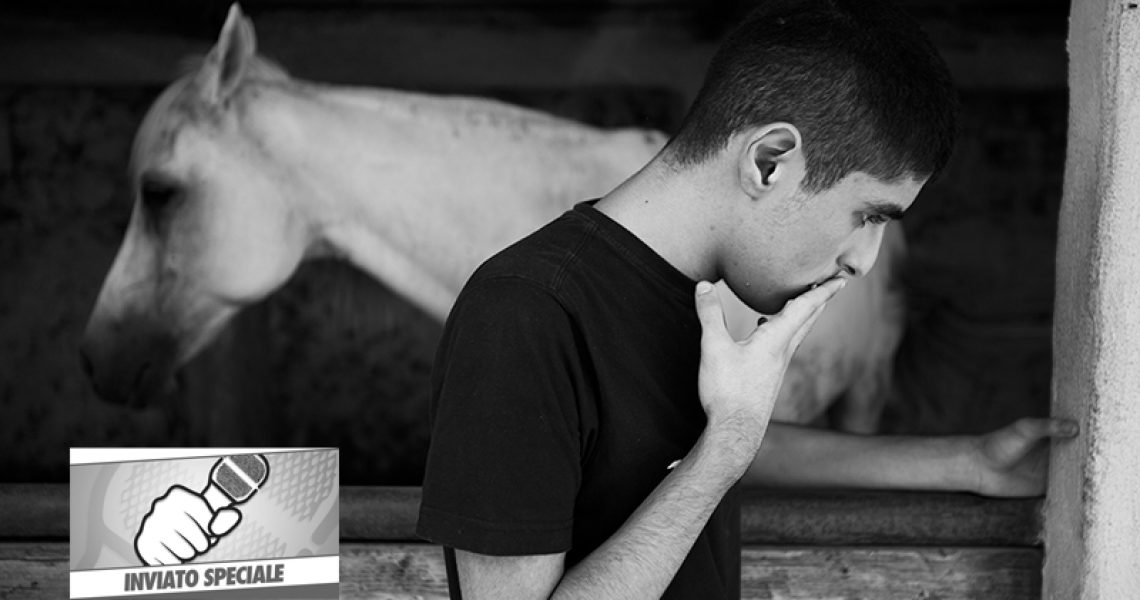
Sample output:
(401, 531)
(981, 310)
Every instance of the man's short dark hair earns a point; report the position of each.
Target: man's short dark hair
(858, 78)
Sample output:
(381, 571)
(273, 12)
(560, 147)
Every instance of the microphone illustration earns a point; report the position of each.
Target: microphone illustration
(183, 524)
(235, 479)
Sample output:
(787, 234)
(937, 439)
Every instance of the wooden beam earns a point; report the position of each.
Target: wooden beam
(404, 571)
(426, 51)
(379, 513)
(37, 511)
(1093, 512)
(663, 47)
(413, 570)
(34, 571)
(767, 516)
(789, 517)
(889, 573)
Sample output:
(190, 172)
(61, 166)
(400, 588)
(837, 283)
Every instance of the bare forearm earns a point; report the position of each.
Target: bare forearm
(737, 386)
(641, 558)
(793, 455)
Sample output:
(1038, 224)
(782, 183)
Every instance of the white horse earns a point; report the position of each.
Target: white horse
(241, 172)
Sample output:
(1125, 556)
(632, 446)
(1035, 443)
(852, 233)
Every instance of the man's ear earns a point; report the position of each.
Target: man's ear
(773, 156)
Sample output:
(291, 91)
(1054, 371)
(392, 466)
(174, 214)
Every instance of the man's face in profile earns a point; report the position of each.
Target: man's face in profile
(809, 238)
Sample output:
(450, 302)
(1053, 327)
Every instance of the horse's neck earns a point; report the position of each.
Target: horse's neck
(418, 190)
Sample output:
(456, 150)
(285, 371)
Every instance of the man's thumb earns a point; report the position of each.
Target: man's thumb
(709, 310)
(224, 520)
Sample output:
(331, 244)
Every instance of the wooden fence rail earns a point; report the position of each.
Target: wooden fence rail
(825, 544)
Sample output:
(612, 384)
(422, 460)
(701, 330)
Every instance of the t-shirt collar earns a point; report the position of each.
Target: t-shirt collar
(634, 248)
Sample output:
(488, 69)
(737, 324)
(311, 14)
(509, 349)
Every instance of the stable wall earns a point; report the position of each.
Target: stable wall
(796, 546)
(1093, 510)
(335, 359)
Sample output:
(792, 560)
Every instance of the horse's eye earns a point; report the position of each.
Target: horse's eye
(156, 195)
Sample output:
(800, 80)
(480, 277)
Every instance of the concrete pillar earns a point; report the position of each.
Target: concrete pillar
(1092, 531)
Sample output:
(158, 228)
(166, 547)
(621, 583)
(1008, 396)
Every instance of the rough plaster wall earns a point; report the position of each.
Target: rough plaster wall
(1093, 511)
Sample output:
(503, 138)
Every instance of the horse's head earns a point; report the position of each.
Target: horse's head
(210, 229)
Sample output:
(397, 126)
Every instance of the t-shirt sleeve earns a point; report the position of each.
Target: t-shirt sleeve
(503, 466)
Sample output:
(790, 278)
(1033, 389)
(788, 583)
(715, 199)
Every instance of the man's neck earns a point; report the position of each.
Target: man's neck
(673, 212)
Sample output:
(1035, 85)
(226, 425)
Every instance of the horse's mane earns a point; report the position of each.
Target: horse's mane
(258, 67)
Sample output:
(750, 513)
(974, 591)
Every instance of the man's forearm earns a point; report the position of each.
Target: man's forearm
(641, 558)
(793, 455)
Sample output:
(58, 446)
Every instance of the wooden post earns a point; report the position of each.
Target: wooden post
(1092, 532)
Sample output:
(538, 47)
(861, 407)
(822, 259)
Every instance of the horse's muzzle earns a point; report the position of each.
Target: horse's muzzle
(133, 373)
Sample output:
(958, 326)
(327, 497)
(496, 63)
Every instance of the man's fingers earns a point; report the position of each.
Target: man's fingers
(709, 310)
(799, 310)
(1035, 428)
(1062, 428)
(802, 332)
(1065, 428)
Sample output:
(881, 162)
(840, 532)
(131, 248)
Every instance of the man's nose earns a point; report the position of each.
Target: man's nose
(859, 259)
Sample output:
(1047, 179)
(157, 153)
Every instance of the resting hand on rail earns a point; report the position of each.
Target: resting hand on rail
(1012, 461)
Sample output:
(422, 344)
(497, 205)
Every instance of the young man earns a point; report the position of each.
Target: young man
(592, 416)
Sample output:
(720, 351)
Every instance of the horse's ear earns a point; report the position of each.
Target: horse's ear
(226, 63)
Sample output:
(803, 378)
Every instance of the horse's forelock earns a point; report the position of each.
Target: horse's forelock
(190, 65)
(181, 104)
(187, 102)
(259, 68)
(158, 128)
(265, 69)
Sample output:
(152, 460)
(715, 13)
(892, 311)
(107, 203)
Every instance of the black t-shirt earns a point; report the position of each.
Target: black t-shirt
(564, 387)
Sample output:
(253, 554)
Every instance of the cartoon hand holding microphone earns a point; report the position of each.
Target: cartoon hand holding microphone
(183, 524)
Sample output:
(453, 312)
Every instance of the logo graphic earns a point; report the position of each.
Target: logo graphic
(206, 523)
(183, 525)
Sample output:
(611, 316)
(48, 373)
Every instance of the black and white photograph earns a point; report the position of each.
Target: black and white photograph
(606, 299)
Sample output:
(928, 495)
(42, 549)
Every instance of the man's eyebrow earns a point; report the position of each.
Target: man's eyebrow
(886, 209)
